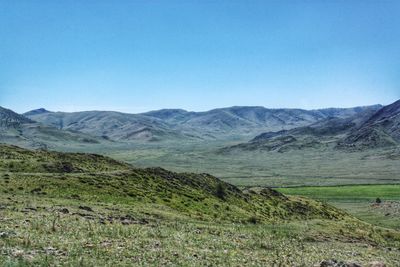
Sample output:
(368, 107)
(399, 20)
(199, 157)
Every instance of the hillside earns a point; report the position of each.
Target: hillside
(20, 130)
(108, 124)
(88, 210)
(10, 119)
(97, 177)
(175, 124)
(380, 130)
(319, 134)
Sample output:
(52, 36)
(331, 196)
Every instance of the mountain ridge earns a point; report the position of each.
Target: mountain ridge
(178, 123)
(365, 129)
(20, 130)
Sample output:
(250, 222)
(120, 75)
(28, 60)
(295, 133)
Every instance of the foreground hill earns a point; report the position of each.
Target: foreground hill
(170, 124)
(197, 195)
(89, 210)
(20, 130)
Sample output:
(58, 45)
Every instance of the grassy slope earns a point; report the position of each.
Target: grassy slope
(35, 232)
(156, 217)
(97, 178)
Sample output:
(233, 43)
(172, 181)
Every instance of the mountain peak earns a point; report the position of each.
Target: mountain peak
(9, 118)
(36, 111)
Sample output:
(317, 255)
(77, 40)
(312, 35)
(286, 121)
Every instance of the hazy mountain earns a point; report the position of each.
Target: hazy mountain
(10, 119)
(327, 131)
(108, 124)
(18, 129)
(170, 124)
(238, 121)
(381, 129)
(36, 112)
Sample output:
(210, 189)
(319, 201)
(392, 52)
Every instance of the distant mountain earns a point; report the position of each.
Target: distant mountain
(109, 124)
(177, 124)
(381, 129)
(10, 119)
(36, 112)
(247, 121)
(330, 130)
(20, 130)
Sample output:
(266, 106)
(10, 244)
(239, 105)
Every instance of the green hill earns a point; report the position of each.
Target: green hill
(75, 209)
(99, 178)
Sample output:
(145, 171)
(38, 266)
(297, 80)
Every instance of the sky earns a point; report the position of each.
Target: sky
(136, 56)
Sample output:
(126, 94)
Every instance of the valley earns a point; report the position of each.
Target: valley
(234, 186)
(199, 133)
(84, 209)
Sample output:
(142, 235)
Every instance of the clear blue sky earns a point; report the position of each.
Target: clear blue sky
(135, 56)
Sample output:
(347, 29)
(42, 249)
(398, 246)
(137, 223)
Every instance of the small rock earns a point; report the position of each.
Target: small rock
(86, 208)
(64, 210)
(4, 235)
(328, 263)
(336, 263)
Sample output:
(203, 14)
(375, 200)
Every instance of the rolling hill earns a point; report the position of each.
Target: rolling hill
(200, 196)
(79, 209)
(321, 133)
(20, 130)
(175, 124)
(108, 124)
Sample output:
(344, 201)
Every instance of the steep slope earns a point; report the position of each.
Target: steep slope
(381, 130)
(200, 196)
(321, 133)
(10, 119)
(20, 130)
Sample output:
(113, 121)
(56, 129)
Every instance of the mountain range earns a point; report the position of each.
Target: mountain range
(20, 130)
(161, 124)
(267, 129)
(371, 127)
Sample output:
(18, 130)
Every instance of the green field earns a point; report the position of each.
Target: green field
(359, 200)
(311, 167)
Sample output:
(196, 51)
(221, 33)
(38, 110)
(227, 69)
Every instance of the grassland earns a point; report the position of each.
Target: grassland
(57, 209)
(37, 231)
(310, 167)
(359, 200)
